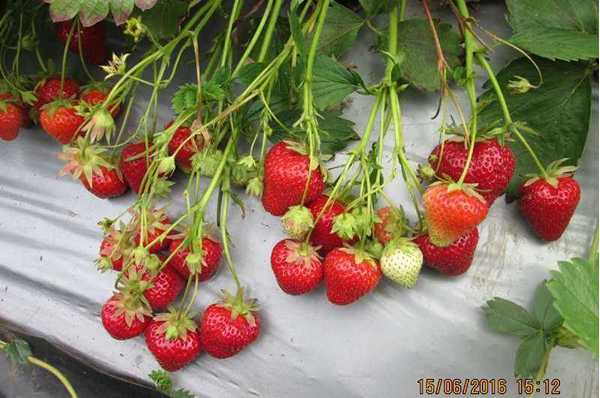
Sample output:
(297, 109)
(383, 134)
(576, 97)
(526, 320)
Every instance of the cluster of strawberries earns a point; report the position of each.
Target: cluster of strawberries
(59, 106)
(446, 241)
(155, 266)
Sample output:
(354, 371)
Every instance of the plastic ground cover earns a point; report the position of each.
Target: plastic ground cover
(378, 347)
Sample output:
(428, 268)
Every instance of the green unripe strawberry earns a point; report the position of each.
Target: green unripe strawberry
(401, 262)
(297, 222)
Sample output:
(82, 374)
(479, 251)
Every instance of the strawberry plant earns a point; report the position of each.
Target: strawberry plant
(262, 113)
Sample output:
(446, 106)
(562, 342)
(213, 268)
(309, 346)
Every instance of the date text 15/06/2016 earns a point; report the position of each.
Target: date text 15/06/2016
(480, 386)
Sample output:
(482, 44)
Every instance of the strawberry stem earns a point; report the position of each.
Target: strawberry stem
(44, 365)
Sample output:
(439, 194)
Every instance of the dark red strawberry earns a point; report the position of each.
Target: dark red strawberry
(548, 204)
(12, 117)
(285, 178)
(98, 175)
(156, 224)
(322, 234)
(454, 259)
(184, 147)
(49, 90)
(61, 121)
(173, 340)
(392, 224)
(349, 275)
(227, 328)
(206, 265)
(90, 41)
(492, 165)
(124, 316)
(296, 266)
(134, 164)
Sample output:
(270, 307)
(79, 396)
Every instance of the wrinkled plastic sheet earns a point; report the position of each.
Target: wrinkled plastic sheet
(377, 347)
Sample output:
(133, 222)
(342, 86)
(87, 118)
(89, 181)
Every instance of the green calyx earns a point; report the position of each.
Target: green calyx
(358, 222)
(239, 306)
(301, 252)
(132, 307)
(52, 107)
(83, 160)
(554, 171)
(176, 324)
(297, 222)
(100, 123)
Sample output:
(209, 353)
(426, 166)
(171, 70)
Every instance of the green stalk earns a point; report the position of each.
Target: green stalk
(41, 364)
(470, 84)
(254, 40)
(269, 32)
(507, 118)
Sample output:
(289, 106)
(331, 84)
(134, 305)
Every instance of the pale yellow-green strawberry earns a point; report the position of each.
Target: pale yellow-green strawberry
(297, 222)
(401, 262)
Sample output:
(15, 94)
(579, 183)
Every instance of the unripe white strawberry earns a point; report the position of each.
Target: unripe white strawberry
(401, 262)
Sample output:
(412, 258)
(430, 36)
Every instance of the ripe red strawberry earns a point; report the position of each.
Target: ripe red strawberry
(227, 328)
(452, 210)
(206, 266)
(549, 204)
(296, 266)
(89, 40)
(96, 95)
(173, 340)
(12, 117)
(392, 224)
(454, 259)
(114, 249)
(61, 121)
(98, 175)
(156, 224)
(134, 164)
(322, 234)
(492, 165)
(285, 178)
(164, 288)
(124, 316)
(184, 147)
(349, 275)
(49, 90)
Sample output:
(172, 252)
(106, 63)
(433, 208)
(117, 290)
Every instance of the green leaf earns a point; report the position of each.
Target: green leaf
(340, 30)
(249, 72)
(376, 7)
(93, 11)
(18, 351)
(121, 9)
(555, 29)
(145, 4)
(544, 311)
(575, 291)
(416, 49)
(181, 393)
(506, 317)
(532, 356)
(162, 381)
(63, 10)
(335, 132)
(559, 111)
(332, 82)
(163, 19)
(184, 98)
